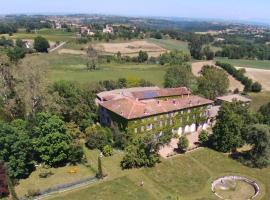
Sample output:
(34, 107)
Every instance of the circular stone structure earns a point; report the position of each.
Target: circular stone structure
(235, 188)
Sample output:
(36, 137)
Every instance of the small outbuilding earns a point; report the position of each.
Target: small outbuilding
(233, 97)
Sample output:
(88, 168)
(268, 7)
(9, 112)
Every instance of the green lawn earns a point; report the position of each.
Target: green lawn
(259, 99)
(259, 64)
(186, 177)
(170, 44)
(60, 176)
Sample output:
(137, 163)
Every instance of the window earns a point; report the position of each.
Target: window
(188, 111)
(161, 116)
(149, 127)
(165, 123)
(171, 122)
(142, 129)
(160, 124)
(155, 118)
(167, 115)
(135, 130)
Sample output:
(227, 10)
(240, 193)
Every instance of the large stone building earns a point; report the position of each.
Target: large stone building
(145, 109)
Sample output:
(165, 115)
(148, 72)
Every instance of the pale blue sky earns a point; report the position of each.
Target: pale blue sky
(226, 9)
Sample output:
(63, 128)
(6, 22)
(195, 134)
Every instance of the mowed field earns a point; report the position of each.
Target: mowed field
(260, 75)
(170, 44)
(185, 177)
(131, 48)
(257, 70)
(197, 66)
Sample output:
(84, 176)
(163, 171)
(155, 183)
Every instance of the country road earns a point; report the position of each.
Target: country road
(57, 47)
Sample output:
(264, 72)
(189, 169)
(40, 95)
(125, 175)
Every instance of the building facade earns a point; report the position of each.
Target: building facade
(152, 109)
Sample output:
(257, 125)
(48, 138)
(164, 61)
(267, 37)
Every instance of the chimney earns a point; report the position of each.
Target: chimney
(158, 102)
(190, 103)
(174, 101)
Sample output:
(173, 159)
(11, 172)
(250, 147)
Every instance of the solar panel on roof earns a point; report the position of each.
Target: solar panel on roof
(150, 94)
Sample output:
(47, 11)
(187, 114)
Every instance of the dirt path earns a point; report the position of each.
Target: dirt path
(57, 47)
(197, 66)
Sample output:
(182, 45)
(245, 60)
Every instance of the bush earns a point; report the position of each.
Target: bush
(76, 154)
(107, 150)
(33, 192)
(45, 174)
(98, 137)
(41, 44)
(183, 144)
(203, 137)
(256, 87)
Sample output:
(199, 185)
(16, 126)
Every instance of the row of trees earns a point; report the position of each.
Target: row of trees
(240, 76)
(247, 51)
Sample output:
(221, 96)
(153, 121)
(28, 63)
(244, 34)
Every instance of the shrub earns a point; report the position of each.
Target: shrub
(203, 137)
(256, 87)
(183, 144)
(33, 192)
(107, 150)
(98, 137)
(76, 154)
(45, 174)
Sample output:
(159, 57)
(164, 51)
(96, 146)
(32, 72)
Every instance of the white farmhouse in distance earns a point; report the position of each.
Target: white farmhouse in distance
(108, 29)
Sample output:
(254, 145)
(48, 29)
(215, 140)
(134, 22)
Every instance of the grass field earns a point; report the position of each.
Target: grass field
(73, 67)
(186, 177)
(259, 99)
(258, 64)
(49, 34)
(170, 44)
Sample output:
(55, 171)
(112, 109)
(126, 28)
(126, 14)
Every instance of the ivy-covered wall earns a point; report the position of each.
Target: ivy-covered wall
(157, 123)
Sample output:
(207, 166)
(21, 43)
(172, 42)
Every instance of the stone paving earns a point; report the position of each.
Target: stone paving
(169, 149)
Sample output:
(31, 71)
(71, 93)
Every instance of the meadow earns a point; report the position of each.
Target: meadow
(49, 34)
(257, 64)
(185, 177)
(73, 67)
(170, 44)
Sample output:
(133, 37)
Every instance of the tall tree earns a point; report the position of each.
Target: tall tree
(265, 112)
(213, 82)
(16, 151)
(52, 143)
(143, 56)
(41, 44)
(227, 132)
(179, 76)
(258, 136)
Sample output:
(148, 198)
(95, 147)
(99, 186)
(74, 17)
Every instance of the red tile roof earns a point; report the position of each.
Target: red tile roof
(130, 108)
